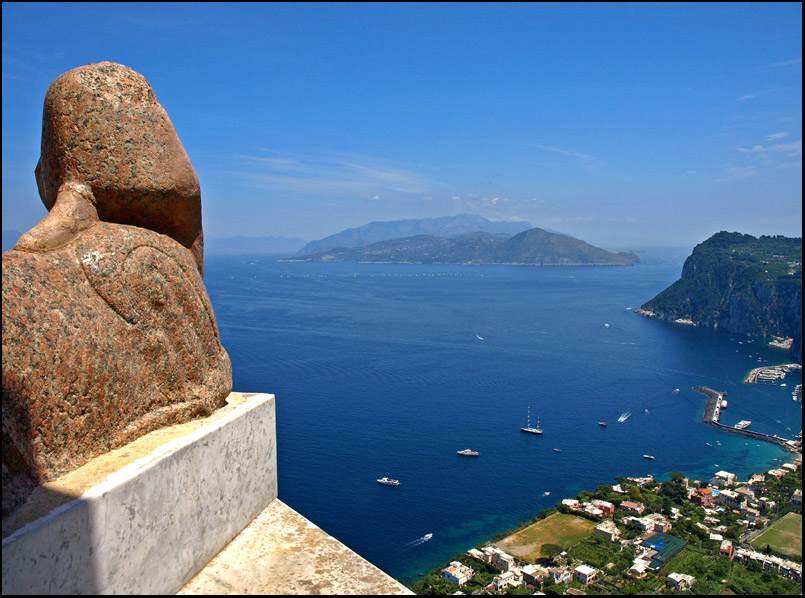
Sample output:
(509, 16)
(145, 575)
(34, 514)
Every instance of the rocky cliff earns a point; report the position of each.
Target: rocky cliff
(740, 283)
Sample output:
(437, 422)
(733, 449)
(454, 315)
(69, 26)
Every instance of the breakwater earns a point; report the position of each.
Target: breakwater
(713, 409)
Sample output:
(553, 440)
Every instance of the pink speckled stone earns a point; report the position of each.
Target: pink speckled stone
(108, 332)
(102, 126)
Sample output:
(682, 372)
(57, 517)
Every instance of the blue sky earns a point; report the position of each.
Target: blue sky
(626, 125)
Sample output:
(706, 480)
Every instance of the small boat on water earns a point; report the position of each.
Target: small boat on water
(557, 450)
(468, 453)
(647, 457)
(624, 416)
(743, 424)
(528, 427)
(389, 481)
(708, 444)
(547, 493)
(427, 537)
(602, 424)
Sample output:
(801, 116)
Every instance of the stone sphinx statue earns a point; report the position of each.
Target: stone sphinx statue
(108, 332)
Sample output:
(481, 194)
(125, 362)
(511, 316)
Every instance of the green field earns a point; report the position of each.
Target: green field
(783, 536)
(559, 528)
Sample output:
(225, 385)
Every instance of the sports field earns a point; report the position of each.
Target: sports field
(560, 528)
(783, 536)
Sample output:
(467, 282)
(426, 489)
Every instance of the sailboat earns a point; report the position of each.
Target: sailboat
(528, 427)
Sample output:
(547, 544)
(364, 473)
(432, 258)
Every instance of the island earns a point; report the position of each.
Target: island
(742, 284)
(533, 247)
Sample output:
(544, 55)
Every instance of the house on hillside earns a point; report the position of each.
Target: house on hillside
(681, 582)
(457, 573)
(585, 574)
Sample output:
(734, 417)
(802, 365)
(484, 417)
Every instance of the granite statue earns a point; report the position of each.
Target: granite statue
(108, 331)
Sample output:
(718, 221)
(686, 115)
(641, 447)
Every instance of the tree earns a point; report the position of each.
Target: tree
(550, 550)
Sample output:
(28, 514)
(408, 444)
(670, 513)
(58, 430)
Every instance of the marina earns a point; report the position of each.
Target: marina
(712, 412)
(770, 374)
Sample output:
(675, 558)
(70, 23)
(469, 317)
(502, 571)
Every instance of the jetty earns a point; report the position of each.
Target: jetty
(712, 411)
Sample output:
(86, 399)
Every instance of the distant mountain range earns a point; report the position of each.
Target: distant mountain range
(535, 247)
(446, 226)
(244, 245)
(739, 283)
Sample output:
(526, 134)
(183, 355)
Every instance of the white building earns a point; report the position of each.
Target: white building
(731, 499)
(457, 573)
(509, 578)
(585, 574)
(498, 558)
(723, 478)
(607, 529)
(681, 581)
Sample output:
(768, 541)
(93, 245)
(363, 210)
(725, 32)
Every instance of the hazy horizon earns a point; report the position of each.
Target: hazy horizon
(624, 125)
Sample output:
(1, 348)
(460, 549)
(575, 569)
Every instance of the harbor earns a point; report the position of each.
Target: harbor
(770, 374)
(712, 412)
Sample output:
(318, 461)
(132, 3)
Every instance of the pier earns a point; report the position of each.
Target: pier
(712, 412)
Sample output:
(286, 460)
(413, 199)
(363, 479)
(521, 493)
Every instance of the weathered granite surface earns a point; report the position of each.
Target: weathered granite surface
(108, 331)
(102, 126)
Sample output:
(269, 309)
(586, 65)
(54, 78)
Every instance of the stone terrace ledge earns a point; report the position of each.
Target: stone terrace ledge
(191, 508)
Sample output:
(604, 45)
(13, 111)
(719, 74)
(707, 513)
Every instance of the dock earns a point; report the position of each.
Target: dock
(770, 374)
(712, 412)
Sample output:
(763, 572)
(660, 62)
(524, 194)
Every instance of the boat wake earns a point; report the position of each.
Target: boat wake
(419, 541)
(624, 416)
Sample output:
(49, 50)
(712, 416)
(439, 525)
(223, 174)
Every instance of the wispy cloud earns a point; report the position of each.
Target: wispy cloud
(792, 149)
(774, 136)
(559, 150)
(752, 96)
(795, 63)
(332, 175)
(590, 163)
(737, 173)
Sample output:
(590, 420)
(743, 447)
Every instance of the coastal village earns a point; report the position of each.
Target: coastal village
(639, 536)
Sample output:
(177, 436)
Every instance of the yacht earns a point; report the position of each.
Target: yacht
(389, 481)
(528, 427)
(427, 537)
(744, 423)
(648, 457)
(469, 453)
(557, 450)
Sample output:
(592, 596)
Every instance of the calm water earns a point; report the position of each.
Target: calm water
(379, 371)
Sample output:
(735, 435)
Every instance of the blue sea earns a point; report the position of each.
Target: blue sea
(389, 369)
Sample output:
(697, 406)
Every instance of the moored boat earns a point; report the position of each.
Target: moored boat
(528, 427)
